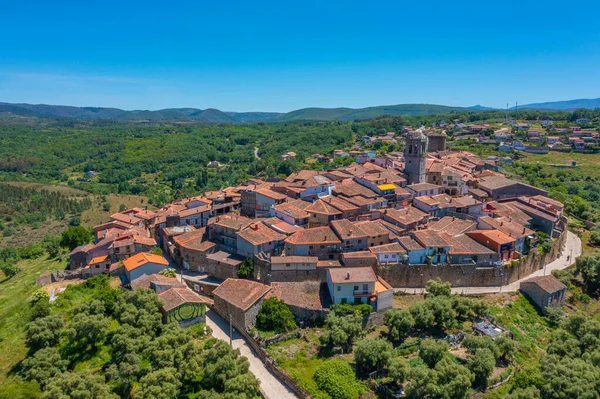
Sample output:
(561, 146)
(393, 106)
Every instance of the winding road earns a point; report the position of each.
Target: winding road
(570, 252)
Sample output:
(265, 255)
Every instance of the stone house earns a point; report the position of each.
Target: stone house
(352, 236)
(545, 292)
(318, 241)
(241, 300)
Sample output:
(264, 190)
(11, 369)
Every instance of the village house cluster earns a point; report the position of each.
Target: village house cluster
(317, 238)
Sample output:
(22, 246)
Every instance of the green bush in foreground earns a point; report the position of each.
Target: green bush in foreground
(275, 316)
(337, 379)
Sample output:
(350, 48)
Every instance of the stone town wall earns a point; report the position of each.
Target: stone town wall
(415, 276)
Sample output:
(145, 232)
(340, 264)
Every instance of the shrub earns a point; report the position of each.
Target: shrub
(432, 351)
(246, 268)
(275, 316)
(168, 272)
(337, 379)
(363, 309)
(372, 354)
(399, 323)
(9, 270)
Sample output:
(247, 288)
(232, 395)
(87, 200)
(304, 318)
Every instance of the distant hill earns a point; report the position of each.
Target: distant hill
(349, 114)
(564, 105)
(214, 116)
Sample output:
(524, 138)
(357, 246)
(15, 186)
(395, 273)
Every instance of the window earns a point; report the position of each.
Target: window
(322, 246)
(310, 247)
(287, 265)
(360, 241)
(339, 287)
(365, 287)
(356, 288)
(97, 266)
(308, 272)
(347, 242)
(386, 256)
(344, 300)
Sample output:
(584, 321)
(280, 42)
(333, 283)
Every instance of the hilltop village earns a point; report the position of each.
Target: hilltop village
(355, 233)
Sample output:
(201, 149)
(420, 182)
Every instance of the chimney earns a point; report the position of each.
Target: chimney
(523, 230)
(348, 276)
(324, 238)
(502, 223)
(350, 232)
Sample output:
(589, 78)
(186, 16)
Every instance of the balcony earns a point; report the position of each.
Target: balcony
(363, 293)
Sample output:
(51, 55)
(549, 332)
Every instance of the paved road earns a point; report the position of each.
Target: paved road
(271, 387)
(572, 250)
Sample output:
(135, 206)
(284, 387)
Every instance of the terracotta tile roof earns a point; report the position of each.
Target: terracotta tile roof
(340, 203)
(329, 263)
(352, 275)
(495, 236)
(138, 239)
(350, 188)
(387, 248)
(451, 225)
(430, 238)
(405, 216)
(549, 283)
(267, 192)
(465, 245)
(358, 255)
(233, 222)
(141, 259)
(507, 226)
(194, 211)
(311, 295)
(372, 228)
(147, 281)
(226, 257)
(259, 233)
(99, 259)
(240, 293)
(323, 208)
(292, 209)
(125, 218)
(422, 187)
(301, 175)
(316, 235)
(175, 297)
(409, 244)
(345, 229)
(285, 228)
(194, 240)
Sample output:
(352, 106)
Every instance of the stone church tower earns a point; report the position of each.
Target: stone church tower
(415, 157)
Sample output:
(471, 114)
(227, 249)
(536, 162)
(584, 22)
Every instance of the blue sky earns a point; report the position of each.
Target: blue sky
(281, 56)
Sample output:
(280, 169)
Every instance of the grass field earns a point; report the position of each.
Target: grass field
(587, 164)
(14, 310)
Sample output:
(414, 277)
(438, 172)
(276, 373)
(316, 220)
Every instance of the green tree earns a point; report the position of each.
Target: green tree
(78, 385)
(423, 383)
(44, 331)
(432, 351)
(168, 272)
(454, 380)
(276, 316)
(475, 342)
(160, 384)
(246, 268)
(51, 244)
(44, 365)
(438, 288)
(74, 237)
(524, 393)
(372, 354)
(443, 314)
(337, 379)
(481, 363)
(89, 328)
(589, 268)
(340, 331)
(507, 347)
(398, 369)
(422, 314)
(399, 322)
(124, 373)
(156, 251)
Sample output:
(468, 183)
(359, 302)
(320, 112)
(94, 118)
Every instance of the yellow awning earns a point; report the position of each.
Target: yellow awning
(385, 187)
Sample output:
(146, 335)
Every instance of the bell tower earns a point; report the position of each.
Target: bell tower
(415, 157)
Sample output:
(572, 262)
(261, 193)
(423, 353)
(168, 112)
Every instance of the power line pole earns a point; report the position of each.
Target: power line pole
(230, 330)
